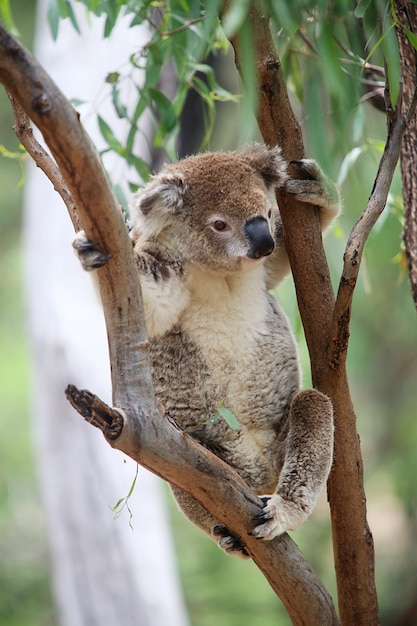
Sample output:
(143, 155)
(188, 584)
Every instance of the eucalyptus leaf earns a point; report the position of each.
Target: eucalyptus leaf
(412, 38)
(361, 8)
(108, 135)
(228, 417)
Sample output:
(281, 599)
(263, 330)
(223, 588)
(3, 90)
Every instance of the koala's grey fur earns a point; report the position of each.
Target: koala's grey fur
(204, 233)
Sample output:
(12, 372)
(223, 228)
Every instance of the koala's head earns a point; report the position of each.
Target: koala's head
(214, 209)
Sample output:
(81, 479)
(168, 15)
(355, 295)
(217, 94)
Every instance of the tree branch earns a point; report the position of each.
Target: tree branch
(96, 412)
(24, 133)
(406, 13)
(357, 240)
(146, 436)
(352, 539)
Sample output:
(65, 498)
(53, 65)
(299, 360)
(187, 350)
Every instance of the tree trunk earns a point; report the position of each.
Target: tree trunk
(407, 14)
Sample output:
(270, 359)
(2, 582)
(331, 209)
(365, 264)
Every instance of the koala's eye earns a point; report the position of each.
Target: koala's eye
(269, 213)
(220, 225)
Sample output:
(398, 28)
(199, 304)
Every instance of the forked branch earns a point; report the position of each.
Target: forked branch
(149, 438)
(352, 540)
(358, 238)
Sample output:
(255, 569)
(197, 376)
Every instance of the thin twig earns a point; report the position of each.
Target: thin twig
(308, 42)
(361, 230)
(168, 33)
(43, 160)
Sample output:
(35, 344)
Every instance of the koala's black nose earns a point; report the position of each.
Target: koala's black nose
(260, 239)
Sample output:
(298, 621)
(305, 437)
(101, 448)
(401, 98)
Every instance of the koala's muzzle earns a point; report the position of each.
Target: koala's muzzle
(261, 242)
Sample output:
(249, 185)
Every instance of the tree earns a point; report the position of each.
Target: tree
(326, 323)
(85, 541)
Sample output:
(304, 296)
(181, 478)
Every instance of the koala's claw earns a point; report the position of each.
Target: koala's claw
(262, 517)
(260, 520)
(228, 542)
(91, 258)
(314, 188)
(277, 516)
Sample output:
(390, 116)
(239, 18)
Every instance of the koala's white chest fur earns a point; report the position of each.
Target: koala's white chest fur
(231, 347)
(224, 316)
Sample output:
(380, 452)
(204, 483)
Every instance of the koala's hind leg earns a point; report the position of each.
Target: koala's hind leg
(197, 514)
(308, 459)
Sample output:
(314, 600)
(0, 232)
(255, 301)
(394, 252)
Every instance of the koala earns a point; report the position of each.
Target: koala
(208, 242)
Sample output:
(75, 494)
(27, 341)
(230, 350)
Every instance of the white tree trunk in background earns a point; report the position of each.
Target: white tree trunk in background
(103, 572)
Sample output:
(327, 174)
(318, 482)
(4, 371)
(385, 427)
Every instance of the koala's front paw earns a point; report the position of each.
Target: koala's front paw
(91, 258)
(277, 516)
(228, 542)
(314, 187)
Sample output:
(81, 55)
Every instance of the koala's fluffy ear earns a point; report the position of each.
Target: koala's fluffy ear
(166, 194)
(270, 164)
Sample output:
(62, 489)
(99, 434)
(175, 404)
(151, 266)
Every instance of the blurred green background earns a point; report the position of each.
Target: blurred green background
(383, 374)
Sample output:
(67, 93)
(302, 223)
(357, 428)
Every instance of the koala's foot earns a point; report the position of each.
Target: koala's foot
(91, 258)
(228, 542)
(307, 463)
(277, 516)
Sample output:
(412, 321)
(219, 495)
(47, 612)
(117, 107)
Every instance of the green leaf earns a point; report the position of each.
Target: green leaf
(108, 135)
(228, 417)
(222, 95)
(412, 38)
(4, 152)
(348, 162)
(281, 12)
(76, 102)
(166, 111)
(53, 16)
(20, 156)
(124, 502)
(112, 77)
(120, 196)
(235, 17)
(392, 58)
(295, 76)
(140, 165)
(361, 7)
(72, 17)
(213, 419)
(120, 108)
(57, 10)
(6, 16)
